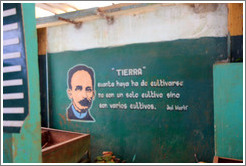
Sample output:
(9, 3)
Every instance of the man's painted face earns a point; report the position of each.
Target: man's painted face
(82, 91)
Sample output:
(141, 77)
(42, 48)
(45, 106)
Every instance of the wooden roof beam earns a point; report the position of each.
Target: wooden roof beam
(49, 8)
(62, 6)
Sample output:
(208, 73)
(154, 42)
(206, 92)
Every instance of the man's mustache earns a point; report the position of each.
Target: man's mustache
(85, 102)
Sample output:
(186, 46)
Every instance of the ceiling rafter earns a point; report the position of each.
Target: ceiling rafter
(62, 6)
(72, 6)
(49, 8)
(57, 8)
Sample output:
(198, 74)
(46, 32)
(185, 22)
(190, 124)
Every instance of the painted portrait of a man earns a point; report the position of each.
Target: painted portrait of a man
(81, 92)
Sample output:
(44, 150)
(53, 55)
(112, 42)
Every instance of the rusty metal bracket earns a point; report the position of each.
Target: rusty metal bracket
(76, 23)
(110, 19)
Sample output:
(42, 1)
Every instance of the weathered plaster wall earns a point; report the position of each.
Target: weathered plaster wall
(164, 23)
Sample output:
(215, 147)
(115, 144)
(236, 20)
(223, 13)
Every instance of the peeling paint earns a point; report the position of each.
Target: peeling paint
(172, 23)
(63, 118)
(204, 8)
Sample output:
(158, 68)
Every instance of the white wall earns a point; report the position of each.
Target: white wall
(165, 23)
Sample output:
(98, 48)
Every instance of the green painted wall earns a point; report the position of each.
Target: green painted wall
(7, 148)
(145, 135)
(228, 110)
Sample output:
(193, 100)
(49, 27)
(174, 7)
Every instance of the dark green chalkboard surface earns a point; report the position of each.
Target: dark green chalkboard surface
(228, 110)
(21, 74)
(145, 135)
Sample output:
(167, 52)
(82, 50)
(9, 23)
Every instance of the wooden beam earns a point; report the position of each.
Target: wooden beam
(119, 5)
(42, 41)
(91, 14)
(235, 19)
(72, 6)
(62, 6)
(51, 9)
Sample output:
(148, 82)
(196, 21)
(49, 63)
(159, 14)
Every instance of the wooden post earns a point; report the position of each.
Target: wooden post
(235, 18)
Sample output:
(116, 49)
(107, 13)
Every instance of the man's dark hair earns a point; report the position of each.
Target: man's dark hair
(78, 68)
